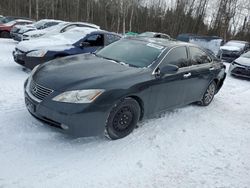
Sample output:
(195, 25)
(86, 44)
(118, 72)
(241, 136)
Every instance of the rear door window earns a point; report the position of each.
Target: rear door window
(95, 40)
(198, 56)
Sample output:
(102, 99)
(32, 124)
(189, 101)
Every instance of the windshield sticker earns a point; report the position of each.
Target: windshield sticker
(155, 46)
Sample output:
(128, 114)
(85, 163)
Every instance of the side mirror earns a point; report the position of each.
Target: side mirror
(169, 69)
(84, 44)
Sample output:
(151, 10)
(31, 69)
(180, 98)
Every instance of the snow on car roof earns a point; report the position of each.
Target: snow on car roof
(235, 43)
(44, 21)
(86, 23)
(17, 21)
(74, 35)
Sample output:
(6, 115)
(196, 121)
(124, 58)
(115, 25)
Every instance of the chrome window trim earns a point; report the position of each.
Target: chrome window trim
(153, 73)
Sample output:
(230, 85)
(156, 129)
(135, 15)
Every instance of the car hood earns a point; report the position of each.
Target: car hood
(44, 44)
(35, 32)
(243, 61)
(230, 48)
(85, 72)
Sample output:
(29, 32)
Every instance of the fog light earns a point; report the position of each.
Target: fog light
(65, 127)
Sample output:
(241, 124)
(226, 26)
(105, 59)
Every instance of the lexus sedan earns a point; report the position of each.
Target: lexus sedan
(75, 41)
(108, 92)
(241, 66)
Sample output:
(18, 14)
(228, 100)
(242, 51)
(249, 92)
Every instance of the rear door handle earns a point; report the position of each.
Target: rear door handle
(212, 68)
(187, 75)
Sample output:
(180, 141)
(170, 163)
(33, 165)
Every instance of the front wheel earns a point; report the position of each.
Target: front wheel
(122, 119)
(5, 34)
(208, 95)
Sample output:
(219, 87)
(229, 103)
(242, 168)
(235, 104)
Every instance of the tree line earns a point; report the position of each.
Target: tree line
(173, 18)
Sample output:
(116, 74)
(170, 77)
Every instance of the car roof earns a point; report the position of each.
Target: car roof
(85, 23)
(23, 20)
(239, 41)
(91, 31)
(168, 43)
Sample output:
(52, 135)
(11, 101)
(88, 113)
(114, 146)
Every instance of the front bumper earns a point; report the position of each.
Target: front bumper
(228, 59)
(29, 62)
(17, 37)
(240, 71)
(81, 120)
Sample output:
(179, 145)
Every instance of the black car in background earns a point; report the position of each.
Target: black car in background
(233, 49)
(130, 80)
(240, 67)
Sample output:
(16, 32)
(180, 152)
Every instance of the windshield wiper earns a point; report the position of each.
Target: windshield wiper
(114, 60)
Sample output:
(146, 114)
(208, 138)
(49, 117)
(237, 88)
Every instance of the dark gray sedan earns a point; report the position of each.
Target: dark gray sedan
(110, 91)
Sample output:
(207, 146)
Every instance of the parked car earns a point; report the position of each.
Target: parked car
(14, 31)
(211, 43)
(130, 80)
(42, 24)
(5, 28)
(154, 35)
(240, 67)
(7, 19)
(17, 35)
(60, 28)
(75, 41)
(233, 49)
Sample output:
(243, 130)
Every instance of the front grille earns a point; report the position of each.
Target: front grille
(241, 70)
(39, 91)
(19, 52)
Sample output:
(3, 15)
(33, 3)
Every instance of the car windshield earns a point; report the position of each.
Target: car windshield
(132, 52)
(39, 24)
(246, 55)
(237, 44)
(1, 19)
(56, 27)
(10, 23)
(6, 19)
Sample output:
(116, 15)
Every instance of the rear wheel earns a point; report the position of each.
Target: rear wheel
(122, 119)
(5, 34)
(208, 95)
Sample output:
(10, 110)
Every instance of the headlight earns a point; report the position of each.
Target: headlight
(38, 53)
(79, 96)
(236, 52)
(36, 35)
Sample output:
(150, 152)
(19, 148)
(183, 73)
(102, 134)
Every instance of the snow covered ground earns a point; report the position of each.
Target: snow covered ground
(188, 147)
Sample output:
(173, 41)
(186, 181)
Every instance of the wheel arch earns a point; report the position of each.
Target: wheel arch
(140, 102)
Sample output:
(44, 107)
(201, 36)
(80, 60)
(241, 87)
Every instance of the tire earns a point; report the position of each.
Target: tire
(122, 119)
(5, 34)
(208, 95)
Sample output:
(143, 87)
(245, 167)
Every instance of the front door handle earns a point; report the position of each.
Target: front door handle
(187, 75)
